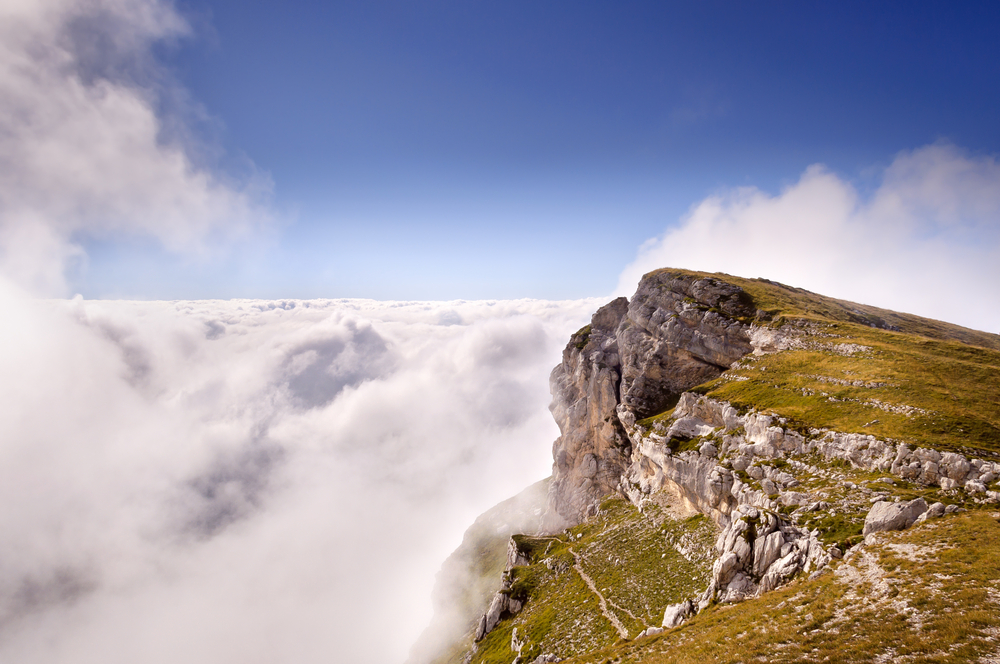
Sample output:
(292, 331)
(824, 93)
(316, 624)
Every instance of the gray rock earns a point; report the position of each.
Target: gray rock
(725, 568)
(672, 340)
(765, 551)
(739, 589)
(975, 486)
(592, 451)
(675, 614)
(780, 571)
(545, 659)
(893, 516)
(634, 360)
(934, 511)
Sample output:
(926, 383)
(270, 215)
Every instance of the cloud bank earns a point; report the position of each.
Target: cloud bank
(925, 241)
(254, 481)
(94, 140)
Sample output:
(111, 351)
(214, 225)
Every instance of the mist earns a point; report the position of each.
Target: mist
(255, 481)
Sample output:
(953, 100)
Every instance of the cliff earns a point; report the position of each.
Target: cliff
(634, 360)
(727, 441)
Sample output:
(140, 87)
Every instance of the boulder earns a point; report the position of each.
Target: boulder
(893, 516)
(781, 570)
(675, 614)
(724, 568)
(934, 511)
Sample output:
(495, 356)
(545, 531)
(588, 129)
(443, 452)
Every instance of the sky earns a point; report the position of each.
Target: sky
(485, 150)
(282, 284)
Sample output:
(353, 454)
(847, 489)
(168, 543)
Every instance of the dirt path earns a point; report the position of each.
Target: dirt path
(612, 618)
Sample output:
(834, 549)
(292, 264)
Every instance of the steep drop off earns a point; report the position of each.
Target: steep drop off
(726, 440)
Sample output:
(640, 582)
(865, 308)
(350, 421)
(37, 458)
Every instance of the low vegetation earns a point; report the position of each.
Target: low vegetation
(634, 561)
(895, 601)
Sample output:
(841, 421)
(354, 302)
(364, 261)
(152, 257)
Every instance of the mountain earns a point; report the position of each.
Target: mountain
(747, 471)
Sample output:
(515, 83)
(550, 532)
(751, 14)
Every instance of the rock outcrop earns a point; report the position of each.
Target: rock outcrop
(503, 603)
(635, 360)
(894, 516)
(783, 499)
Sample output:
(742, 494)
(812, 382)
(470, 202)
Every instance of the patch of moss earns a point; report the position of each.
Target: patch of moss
(581, 337)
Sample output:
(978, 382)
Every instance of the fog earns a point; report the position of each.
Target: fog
(251, 481)
(230, 481)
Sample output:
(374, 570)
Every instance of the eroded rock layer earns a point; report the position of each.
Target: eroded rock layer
(634, 360)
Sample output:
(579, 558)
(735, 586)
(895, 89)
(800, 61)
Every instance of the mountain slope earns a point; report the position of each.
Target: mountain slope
(728, 442)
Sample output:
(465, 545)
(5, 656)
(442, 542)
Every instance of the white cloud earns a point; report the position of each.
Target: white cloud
(926, 241)
(251, 481)
(85, 146)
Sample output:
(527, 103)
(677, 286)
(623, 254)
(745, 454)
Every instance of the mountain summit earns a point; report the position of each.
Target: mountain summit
(830, 468)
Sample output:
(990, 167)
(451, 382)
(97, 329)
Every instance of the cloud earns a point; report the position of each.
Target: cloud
(251, 481)
(925, 241)
(94, 140)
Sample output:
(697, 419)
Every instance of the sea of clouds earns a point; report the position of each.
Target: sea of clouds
(251, 481)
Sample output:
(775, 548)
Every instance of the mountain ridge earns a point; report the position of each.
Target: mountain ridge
(802, 426)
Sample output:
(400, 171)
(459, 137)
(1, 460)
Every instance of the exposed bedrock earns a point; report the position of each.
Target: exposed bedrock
(634, 360)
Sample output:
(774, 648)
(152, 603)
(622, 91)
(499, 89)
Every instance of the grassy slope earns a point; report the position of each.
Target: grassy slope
(948, 375)
(632, 561)
(896, 602)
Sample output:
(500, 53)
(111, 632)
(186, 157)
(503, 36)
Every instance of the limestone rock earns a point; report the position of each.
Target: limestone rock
(545, 659)
(725, 568)
(893, 516)
(592, 451)
(934, 511)
(766, 551)
(675, 614)
(634, 360)
(679, 332)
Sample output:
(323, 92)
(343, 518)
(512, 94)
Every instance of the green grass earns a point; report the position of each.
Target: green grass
(630, 557)
(939, 604)
(946, 378)
(581, 337)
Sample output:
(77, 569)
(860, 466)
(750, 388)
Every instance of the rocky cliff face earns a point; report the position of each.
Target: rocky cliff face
(722, 438)
(634, 360)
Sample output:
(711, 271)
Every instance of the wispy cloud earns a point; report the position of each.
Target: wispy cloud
(93, 139)
(925, 241)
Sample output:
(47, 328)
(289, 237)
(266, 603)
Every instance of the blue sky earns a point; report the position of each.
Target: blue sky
(436, 150)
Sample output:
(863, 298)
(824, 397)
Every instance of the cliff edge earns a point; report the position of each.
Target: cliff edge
(831, 466)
